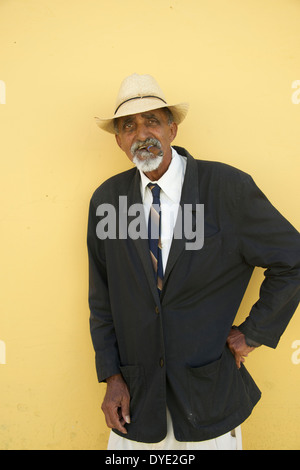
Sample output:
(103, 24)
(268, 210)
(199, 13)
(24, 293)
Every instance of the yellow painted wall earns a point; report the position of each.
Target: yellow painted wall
(61, 63)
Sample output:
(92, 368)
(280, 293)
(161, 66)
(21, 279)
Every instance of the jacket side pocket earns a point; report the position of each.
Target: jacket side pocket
(215, 390)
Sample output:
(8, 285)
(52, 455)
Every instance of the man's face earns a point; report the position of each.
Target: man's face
(146, 139)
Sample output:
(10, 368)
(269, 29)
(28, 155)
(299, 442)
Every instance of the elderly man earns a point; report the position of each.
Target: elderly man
(168, 270)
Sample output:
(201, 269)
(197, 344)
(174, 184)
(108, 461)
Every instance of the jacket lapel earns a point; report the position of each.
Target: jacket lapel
(141, 244)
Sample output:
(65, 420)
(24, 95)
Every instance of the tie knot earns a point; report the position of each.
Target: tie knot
(155, 189)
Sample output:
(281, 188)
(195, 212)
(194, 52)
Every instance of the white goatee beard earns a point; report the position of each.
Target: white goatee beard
(143, 158)
(149, 164)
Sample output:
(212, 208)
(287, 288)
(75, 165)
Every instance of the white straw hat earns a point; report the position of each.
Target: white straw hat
(137, 94)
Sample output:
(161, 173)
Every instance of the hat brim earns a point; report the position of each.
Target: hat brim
(179, 112)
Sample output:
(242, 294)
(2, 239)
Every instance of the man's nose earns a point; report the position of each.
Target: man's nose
(142, 132)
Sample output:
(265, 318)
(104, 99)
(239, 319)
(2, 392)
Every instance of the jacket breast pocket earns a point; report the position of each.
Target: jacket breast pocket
(215, 390)
(134, 377)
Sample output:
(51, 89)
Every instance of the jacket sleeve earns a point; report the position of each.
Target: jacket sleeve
(269, 241)
(101, 322)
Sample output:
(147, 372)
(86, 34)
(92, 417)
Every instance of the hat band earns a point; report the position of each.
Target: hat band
(137, 98)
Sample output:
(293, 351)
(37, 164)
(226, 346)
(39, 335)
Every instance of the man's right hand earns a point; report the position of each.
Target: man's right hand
(116, 402)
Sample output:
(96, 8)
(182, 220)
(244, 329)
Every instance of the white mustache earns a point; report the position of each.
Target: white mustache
(145, 145)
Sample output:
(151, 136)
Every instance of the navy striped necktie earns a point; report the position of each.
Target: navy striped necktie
(154, 234)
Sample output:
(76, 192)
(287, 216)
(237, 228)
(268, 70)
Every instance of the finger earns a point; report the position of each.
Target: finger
(235, 354)
(119, 425)
(125, 410)
(238, 359)
(241, 361)
(122, 420)
(114, 421)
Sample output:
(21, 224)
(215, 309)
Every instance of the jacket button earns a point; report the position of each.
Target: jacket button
(156, 310)
(161, 362)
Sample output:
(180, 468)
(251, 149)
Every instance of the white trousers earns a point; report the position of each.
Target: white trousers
(229, 441)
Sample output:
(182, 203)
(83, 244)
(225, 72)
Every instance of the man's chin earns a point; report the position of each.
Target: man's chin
(148, 164)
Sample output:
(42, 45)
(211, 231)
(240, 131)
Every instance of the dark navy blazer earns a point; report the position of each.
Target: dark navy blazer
(172, 350)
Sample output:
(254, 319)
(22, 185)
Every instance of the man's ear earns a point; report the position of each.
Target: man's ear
(118, 141)
(173, 131)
